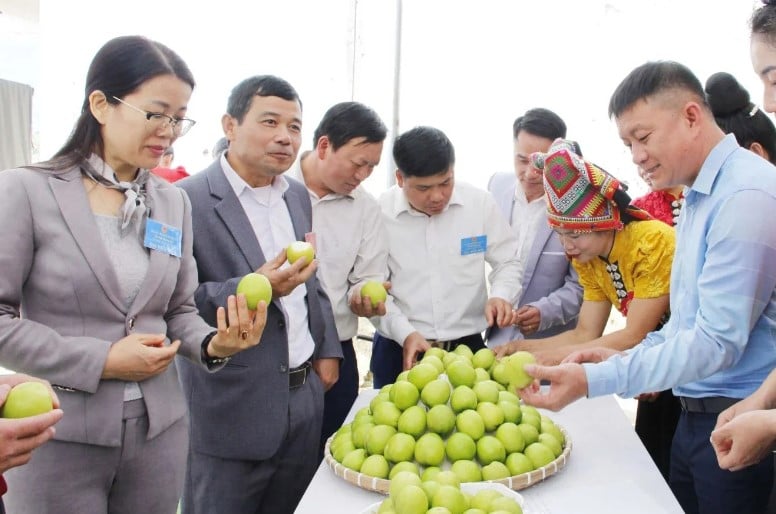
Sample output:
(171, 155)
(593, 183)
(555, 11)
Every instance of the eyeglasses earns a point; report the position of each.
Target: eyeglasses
(179, 125)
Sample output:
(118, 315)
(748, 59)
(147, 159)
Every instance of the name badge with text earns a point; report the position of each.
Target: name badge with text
(162, 238)
(474, 244)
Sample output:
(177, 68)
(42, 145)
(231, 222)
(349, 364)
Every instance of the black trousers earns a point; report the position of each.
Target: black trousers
(655, 425)
(386, 362)
(339, 399)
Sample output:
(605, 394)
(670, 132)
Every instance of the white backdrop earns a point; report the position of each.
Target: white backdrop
(468, 67)
(15, 124)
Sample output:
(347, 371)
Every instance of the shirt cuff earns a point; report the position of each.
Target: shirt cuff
(601, 379)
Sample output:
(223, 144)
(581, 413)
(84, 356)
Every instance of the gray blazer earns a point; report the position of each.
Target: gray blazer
(249, 396)
(549, 281)
(55, 269)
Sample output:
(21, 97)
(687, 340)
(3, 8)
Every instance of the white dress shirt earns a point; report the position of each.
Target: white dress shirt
(437, 290)
(526, 217)
(271, 222)
(351, 246)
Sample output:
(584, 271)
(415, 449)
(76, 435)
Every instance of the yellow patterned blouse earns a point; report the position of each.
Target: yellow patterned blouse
(639, 266)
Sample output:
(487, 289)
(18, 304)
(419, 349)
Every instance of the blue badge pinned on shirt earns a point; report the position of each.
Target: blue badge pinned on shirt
(162, 237)
(475, 244)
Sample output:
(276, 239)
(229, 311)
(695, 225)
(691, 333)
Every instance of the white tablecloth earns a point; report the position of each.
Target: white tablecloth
(608, 470)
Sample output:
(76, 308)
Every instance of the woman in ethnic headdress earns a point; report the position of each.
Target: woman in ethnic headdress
(623, 257)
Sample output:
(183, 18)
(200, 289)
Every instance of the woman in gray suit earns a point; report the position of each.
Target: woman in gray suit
(96, 294)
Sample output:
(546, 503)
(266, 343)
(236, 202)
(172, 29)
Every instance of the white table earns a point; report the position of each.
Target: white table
(608, 470)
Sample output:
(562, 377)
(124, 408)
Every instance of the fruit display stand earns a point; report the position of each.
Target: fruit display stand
(610, 471)
(516, 482)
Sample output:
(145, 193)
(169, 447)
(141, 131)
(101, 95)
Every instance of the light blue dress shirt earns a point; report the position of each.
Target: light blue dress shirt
(721, 338)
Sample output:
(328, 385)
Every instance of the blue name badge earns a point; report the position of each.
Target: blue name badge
(162, 237)
(475, 244)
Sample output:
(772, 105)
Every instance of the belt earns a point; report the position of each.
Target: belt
(452, 343)
(708, 405)
(298, 376)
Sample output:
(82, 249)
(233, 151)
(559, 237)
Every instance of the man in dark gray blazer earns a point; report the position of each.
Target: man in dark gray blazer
(552, 296)
(270, 398)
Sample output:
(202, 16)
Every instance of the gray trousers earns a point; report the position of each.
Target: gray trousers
(139, 477)
(274, 486)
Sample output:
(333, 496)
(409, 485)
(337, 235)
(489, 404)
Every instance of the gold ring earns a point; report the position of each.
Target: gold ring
(244, 335)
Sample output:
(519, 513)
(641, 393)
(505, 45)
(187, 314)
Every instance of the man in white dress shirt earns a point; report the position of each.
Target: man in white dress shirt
(350, 240)
(551, 297)
(441, 235)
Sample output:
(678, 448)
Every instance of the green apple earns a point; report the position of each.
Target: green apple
(529, 418)
(461, 372)
(490, 449)
(460, 446)
(531, 411)
(434, 361)
(518, 463)
(401, 377)
(375, 466)
(451, 357)
(341, 450)
(486, 391)
(430, 450)
(438, 510)
(482, 498)
(429, 473)
(360, 434)
(451, 498)
(530, 434)
(431, 487)
(408, 466)
(511, 411)
(363, 411)
(404, 395)
(505, 505)
(483, 358)
(256, 288)
(386, 507)
(421, 374)
(377, 438)
(437, 352)
(500, 372)
(386, 413)
(475, 511)
(440, 419)
(539, 454)
(548, 427)
(467, 470)
(464, 351)
(491, 414)
(551, 442)
(411, 499)
(436, 392)
(518, 377)
(375, 291)
(508, 396)
(481, 375)
(511, 437)
(380, 397)
(401, 480)
(470, 423)
(355, 459)
(27, 399)
(413, 421)
(495, 471)
(300, 250)
(463, 398)
(447, 477)
(400, 447)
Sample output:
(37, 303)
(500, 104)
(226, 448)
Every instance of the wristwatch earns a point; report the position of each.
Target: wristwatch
(210, 361)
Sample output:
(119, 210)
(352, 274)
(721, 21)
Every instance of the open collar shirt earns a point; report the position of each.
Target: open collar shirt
(719, 340)
(351, 246)
(271, 222)
(437, 273)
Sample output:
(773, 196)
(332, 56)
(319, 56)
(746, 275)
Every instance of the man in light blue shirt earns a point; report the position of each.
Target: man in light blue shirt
(718, 346)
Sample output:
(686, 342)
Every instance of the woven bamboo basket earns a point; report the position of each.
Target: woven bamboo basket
(515, 482)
